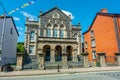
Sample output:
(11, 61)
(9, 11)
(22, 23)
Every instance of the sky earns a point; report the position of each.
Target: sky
(82, 11)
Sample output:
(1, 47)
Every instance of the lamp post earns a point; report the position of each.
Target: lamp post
(3, 29)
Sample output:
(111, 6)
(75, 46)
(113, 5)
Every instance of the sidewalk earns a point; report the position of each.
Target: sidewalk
(55, 71)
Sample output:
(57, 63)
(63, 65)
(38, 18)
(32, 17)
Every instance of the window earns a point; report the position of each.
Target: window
(11, 31)
(86, 45)
(31, 49)
(92, 33)
(75, 36)
(61, 33)
(32, 36)
(93, 44)
(48, 33)
(55, 32)
(94, 54)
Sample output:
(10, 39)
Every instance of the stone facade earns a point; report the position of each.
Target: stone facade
(50, 35)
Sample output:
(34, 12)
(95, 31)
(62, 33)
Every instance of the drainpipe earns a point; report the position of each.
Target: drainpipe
(117, 33)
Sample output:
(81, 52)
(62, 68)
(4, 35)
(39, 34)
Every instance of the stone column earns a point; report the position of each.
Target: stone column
(102, 59)
(28, 42)
(52, 55)
(41, 61)
(74, 58)
(19, 64)
(118, 58)
(52, 32)
(0, 68)
(44, 32)
(64, 60)
(85, 59)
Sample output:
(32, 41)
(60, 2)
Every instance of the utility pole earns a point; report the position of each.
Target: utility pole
(3, 29)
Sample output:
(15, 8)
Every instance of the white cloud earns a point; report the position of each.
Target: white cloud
(19, 28)
(31, 17)
(68, 13)
(16, 18)
(21, 33)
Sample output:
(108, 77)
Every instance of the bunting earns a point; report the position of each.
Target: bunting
(21, 7)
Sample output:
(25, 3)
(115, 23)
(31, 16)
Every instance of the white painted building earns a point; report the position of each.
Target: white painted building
(8, 42)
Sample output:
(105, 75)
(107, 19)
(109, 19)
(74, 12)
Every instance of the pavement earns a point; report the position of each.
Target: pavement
(61, 71)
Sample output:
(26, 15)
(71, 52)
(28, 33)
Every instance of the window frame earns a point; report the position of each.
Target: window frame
(32, 36)
(62, 32)
(94, 55)
(93, 43)
(92, 33)
(32, 52)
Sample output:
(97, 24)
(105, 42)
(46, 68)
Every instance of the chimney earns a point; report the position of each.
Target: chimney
(104, 10)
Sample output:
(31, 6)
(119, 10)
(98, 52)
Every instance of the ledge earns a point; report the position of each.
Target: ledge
(101, 53)
(85, 54)
(117, 54)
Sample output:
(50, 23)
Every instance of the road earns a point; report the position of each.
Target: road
(72, 76)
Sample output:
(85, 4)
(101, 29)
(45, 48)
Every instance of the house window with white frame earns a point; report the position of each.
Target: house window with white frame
(94, 54)
(92, 33)
(93, 44)
(31, 50)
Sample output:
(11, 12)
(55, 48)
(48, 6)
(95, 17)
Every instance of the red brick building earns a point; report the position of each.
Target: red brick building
(103, 35)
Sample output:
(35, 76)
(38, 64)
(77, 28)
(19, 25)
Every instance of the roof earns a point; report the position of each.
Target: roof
(1, 17)
(75, 27)
(103, 14)
(54, 9)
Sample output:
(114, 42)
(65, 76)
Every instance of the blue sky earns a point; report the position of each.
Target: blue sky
(83, 11)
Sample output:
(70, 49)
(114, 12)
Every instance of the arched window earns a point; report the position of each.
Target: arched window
(48, 32)
(55, 32)
(62, 31)
(75, 36)
(32, 36)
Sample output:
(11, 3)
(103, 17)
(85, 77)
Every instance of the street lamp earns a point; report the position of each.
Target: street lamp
(3, 29)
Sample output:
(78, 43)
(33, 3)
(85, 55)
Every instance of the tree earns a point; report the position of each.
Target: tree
(20, 47)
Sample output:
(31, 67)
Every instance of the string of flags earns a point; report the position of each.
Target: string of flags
(21, 7)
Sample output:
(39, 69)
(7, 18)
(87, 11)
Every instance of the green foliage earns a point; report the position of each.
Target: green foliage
(20, 47)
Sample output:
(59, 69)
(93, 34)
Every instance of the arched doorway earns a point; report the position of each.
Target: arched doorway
(69, 51)
(58, 53)
(46, 50)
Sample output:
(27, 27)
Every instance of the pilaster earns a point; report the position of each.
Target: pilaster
(64, 60)
(102, 59)
(41, 61)
(52, 55)
(19, 61)
(85, 59)
(118, 58)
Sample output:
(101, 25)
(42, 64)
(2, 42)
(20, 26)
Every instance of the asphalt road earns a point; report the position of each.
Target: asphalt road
(73, 76)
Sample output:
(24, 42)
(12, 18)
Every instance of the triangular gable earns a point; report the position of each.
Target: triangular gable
(56, 8)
